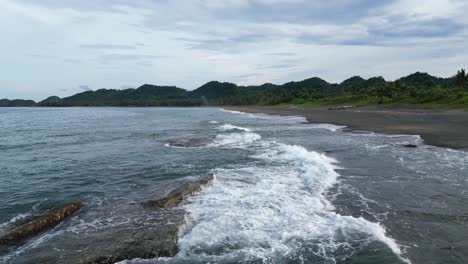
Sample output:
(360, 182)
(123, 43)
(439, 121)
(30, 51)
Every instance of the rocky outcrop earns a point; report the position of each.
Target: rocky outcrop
(143, 232)
(176, 196)
(40, 224)
(187, 143)
(345, 107)
(159, 239)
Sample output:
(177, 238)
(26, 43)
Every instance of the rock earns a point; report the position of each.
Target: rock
(176, 196)
(146, 234)
(141, 232)
(345, 107)
(187, 143)
(410, 146)
(143, 242)
(40, 224)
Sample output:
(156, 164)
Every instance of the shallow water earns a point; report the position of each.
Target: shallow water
(284, 191)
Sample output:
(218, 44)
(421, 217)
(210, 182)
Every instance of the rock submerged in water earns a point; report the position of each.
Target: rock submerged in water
(160, 242)
(187, 143)
(410, 146)
(176, 196)
(152, 231)
(340, 108)
(141, 241)
(40, 224)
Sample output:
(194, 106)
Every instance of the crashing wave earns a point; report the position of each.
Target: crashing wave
(228, 127)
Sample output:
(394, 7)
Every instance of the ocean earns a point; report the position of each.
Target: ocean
(284, 191)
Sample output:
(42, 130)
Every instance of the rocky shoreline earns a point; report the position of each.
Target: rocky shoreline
(156, 238)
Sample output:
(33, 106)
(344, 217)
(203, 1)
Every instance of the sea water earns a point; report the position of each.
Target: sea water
(284, 191)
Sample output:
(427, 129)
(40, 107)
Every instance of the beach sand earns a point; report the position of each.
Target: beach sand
(443, 128)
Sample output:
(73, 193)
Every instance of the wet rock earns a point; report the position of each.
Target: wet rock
(410, 146)
(40, 224)
(176, 196)
(187, 143)
(141, 242)
(146, 234)
(345, 107)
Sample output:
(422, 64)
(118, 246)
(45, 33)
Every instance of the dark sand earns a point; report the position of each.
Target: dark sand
(444, 128)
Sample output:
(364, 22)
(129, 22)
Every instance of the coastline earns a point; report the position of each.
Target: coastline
(442, 128)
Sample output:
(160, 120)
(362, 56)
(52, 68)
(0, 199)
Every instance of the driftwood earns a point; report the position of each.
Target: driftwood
(39, 224)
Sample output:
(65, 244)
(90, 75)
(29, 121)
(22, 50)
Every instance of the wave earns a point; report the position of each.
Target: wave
(293, 119)
(272, 209)
(329, 127)
(235, 140)
(228, 127)
(14, 220)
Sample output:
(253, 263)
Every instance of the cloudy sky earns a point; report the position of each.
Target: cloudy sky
(62, 47)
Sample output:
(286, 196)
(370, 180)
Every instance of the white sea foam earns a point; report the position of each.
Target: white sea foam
(266, 211)
(269, 209)
(293, 119)
(329, 127)
(228, 127)
(232, 111)
(13, 220)
(214, 122)
(235, 140)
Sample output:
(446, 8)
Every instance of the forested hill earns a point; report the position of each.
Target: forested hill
(417, 88)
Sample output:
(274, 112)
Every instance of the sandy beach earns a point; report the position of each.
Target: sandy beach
(443, 128)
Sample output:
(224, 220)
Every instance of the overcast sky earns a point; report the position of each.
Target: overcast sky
(62, 47)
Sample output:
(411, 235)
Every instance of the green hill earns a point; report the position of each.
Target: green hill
(415, 89)
(16, 103)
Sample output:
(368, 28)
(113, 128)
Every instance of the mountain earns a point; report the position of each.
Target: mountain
(16, 103)
(353, 84)
(215, 90)
(424, 80)
(145, 95)
(50, 101)
(419, 86)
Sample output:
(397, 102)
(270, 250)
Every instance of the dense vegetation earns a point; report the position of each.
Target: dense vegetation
(418, 89)
(17, 102)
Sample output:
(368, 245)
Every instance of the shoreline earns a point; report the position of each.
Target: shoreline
(441, 128)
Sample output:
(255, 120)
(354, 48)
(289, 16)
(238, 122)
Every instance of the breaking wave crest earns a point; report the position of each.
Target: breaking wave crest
(228, 127)
(235, 140)
(274, 210)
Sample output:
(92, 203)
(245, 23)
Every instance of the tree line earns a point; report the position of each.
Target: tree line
(414, 89)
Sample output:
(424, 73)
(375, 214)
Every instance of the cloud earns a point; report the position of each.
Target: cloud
(122, 58)
(107, 46)
(189, 42)
(84, 87)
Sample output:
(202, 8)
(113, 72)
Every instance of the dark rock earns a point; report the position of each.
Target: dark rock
(410, 146)
(142, 233)
(188, 143)
(345, 107)
(40, 224)
(141, 242)
(176, 196)
(147, 234)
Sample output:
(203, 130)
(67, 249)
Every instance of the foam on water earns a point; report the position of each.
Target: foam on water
(293, 119)
(329, 127)
(13, 220)
(227, 127)
(235, 140)
(269, 210)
